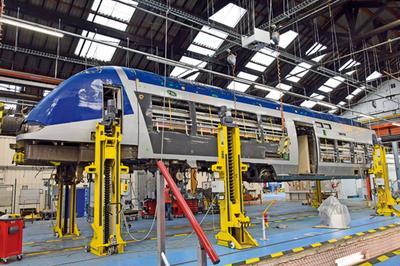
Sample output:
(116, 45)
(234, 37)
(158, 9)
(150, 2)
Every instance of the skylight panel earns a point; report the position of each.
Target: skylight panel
(46, 92)
(96, 50)
(229, 15)
(114, 9)
(208, 40)
(334, 82)
(180, 71)
(107, 22)
(293, 79)
(341, 103)
(10, 87)
(317, 96)
(325, 89)
(374, 75)
(256, 67)
(318, 58)
(316, 47)
(350, 63)
(308, 104)
(284, 86)
(238, 86)
(200, 50)
(349, 97)
(265, 57)
(274, 95)
(287, 38)
(300, 70)
(350, 72)
(248, 76)
(357, 91)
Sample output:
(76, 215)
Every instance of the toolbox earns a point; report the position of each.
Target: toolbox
(10, 238)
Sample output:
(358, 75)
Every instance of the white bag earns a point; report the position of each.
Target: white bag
(334, 214)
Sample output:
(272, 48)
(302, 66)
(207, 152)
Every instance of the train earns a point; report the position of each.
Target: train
(177, 120)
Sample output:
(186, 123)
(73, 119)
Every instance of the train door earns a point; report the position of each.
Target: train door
(307, 148)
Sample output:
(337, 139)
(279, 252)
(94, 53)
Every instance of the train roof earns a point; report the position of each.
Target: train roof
(203, 89)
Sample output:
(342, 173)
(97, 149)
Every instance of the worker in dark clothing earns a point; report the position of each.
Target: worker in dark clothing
(168, 203)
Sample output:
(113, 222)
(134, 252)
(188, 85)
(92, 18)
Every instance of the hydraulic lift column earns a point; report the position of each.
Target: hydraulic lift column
(385, 201)
(106, 171)
(66, 202)
(234, 222)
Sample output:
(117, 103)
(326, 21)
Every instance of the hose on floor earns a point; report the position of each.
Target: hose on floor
(147, 234)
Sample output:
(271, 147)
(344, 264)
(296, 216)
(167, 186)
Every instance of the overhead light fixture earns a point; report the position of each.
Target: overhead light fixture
(396, 124)
(30, 27)
(332, 106)
(367, 116)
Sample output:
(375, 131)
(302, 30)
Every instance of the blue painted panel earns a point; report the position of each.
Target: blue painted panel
(80, 202)
(77, 98)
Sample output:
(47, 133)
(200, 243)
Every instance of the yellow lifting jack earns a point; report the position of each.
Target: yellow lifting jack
(106, 171)
(66, 202)
(379, 170)
(233, 221)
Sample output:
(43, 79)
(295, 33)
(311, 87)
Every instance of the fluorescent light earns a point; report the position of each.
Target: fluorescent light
(367, 116)
(31, 27)
(332, 106)
(396, 124)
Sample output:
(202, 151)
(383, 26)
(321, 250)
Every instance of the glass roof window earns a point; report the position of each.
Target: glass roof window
(374, 75)
(276, 95)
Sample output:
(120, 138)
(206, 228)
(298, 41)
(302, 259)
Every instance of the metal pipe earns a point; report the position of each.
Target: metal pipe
(188, 213)
(160, 219)
(28, 76)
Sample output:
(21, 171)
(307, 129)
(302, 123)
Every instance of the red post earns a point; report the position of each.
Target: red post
(188, 213)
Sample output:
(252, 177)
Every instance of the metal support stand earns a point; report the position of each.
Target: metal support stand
(317, 199)
(385, 201)
(234, 222)
(66, 203)
(160, 218)
(106, 170)
(201, 255)
(395, 147)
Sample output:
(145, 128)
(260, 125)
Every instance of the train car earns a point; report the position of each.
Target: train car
(177, 120)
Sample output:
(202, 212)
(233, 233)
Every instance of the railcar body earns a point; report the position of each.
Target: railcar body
(177, 120)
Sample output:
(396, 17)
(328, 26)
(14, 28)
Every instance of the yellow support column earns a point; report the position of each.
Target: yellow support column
(385, 201)
(317, 197)
(107, 169)
(233, 221)
(66, 222)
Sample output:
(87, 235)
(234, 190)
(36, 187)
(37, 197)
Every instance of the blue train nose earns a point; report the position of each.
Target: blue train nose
(78, 98)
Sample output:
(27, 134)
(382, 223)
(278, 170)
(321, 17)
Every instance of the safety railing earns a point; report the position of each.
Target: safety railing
(188, 213)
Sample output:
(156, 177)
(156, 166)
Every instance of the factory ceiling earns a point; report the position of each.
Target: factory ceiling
(336, 51)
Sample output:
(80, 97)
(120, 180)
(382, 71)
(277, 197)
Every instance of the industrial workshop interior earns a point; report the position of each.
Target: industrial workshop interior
(200, 132)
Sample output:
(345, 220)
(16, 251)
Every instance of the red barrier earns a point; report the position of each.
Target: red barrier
(188, 213)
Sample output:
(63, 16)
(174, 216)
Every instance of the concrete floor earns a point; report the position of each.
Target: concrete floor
(42, 248)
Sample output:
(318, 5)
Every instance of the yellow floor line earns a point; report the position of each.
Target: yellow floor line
(382, 258)
(277, 254)
(318, 244)
(253, 260)
(298, 249)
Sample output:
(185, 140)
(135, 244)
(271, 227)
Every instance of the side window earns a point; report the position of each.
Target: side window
(247, 123)
(327, 150)
(171, 115)
(359, 153)
(272, 132)
(207, 119)
(327, 126)
(319, 124)
(344, 151)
